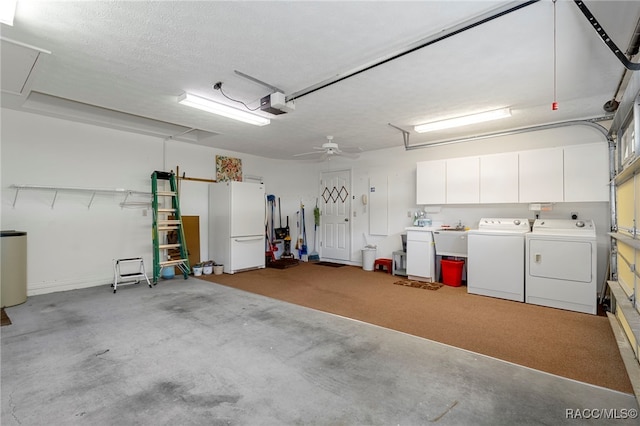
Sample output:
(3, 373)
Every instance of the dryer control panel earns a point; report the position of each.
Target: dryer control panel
(565, 227)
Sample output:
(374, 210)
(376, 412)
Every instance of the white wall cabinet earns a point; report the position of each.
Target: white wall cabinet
(586, 172)
(574, 173)
(499, 178)
(431, 182)
(463, 180)
(541, 175)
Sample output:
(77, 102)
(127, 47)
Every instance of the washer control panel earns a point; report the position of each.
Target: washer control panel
(506, 224)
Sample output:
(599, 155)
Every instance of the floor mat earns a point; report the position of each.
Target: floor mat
(283, 263)
(4, 318)
(419, 284)
(332, 264)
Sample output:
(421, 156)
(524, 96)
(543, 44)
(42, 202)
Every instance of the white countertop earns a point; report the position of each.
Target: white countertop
(423, 228)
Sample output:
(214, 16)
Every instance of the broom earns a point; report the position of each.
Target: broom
(314, 256)
(303, 248)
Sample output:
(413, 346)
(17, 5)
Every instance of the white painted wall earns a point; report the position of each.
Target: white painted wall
(71, 246)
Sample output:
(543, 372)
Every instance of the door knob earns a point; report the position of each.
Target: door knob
(346, 219)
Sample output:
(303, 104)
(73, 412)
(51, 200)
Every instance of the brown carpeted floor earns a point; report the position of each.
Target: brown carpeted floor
(569, 344)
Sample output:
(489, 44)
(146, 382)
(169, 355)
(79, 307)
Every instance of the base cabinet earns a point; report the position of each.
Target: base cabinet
(420, 256)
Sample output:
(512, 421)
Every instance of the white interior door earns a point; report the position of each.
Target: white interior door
(335, 224)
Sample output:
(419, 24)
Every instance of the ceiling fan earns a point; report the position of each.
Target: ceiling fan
(330, 149)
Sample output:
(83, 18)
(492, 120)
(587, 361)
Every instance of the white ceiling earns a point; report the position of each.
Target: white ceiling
(136, 57)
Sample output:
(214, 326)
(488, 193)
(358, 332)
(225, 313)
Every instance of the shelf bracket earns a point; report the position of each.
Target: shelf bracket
(91, 200)
(15, 198)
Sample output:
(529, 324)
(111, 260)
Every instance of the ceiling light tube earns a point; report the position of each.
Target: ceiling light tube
(221, 109)
(463, 121)
(7, 11)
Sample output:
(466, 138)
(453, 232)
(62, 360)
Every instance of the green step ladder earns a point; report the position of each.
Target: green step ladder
(164, 226)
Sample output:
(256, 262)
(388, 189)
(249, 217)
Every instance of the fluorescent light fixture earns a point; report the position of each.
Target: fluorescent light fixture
(7, 11)
(463, 121)
(221, 109)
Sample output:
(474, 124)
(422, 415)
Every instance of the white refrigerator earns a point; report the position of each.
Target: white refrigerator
(237, 225)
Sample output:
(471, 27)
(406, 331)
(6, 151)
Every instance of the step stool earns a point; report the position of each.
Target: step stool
(124, 270)
(381, 263)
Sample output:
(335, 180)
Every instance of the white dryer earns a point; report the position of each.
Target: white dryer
(562, 265)
(496, 258)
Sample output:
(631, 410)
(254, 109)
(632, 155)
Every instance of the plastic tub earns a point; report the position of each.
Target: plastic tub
(452, 272)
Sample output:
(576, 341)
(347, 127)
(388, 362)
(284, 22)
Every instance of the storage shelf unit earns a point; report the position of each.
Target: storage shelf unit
(399, 259)
(633, 242)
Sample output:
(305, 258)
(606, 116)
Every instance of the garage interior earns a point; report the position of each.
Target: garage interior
(91, 96)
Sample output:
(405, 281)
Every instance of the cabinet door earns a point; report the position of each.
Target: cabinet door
(541, 175)
(586, 172)
(430, 182)
(463, 180)
(499, 178)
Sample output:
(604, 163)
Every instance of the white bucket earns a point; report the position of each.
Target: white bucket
(208, 269)
(368, 258)
(197, 271)
(218, 269)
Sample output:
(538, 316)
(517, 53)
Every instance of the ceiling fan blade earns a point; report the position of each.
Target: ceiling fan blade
(351, 149)
(311, 155)
(315, 158)
(307, 153)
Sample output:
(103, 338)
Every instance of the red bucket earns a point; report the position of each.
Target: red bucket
(452, 272)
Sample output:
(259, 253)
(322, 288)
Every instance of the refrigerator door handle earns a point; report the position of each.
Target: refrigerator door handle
(242, 240)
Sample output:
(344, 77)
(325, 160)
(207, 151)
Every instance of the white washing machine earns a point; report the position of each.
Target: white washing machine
(496, 258)
(562, 261)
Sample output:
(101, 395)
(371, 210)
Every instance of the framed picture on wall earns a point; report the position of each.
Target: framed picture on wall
(228, 168)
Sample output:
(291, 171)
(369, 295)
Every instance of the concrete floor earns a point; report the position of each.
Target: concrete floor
(195, 353)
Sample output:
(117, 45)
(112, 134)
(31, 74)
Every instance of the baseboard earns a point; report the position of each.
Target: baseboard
(34, 289)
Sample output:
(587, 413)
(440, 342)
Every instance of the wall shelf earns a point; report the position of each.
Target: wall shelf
(628, 240)
(93, 191)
